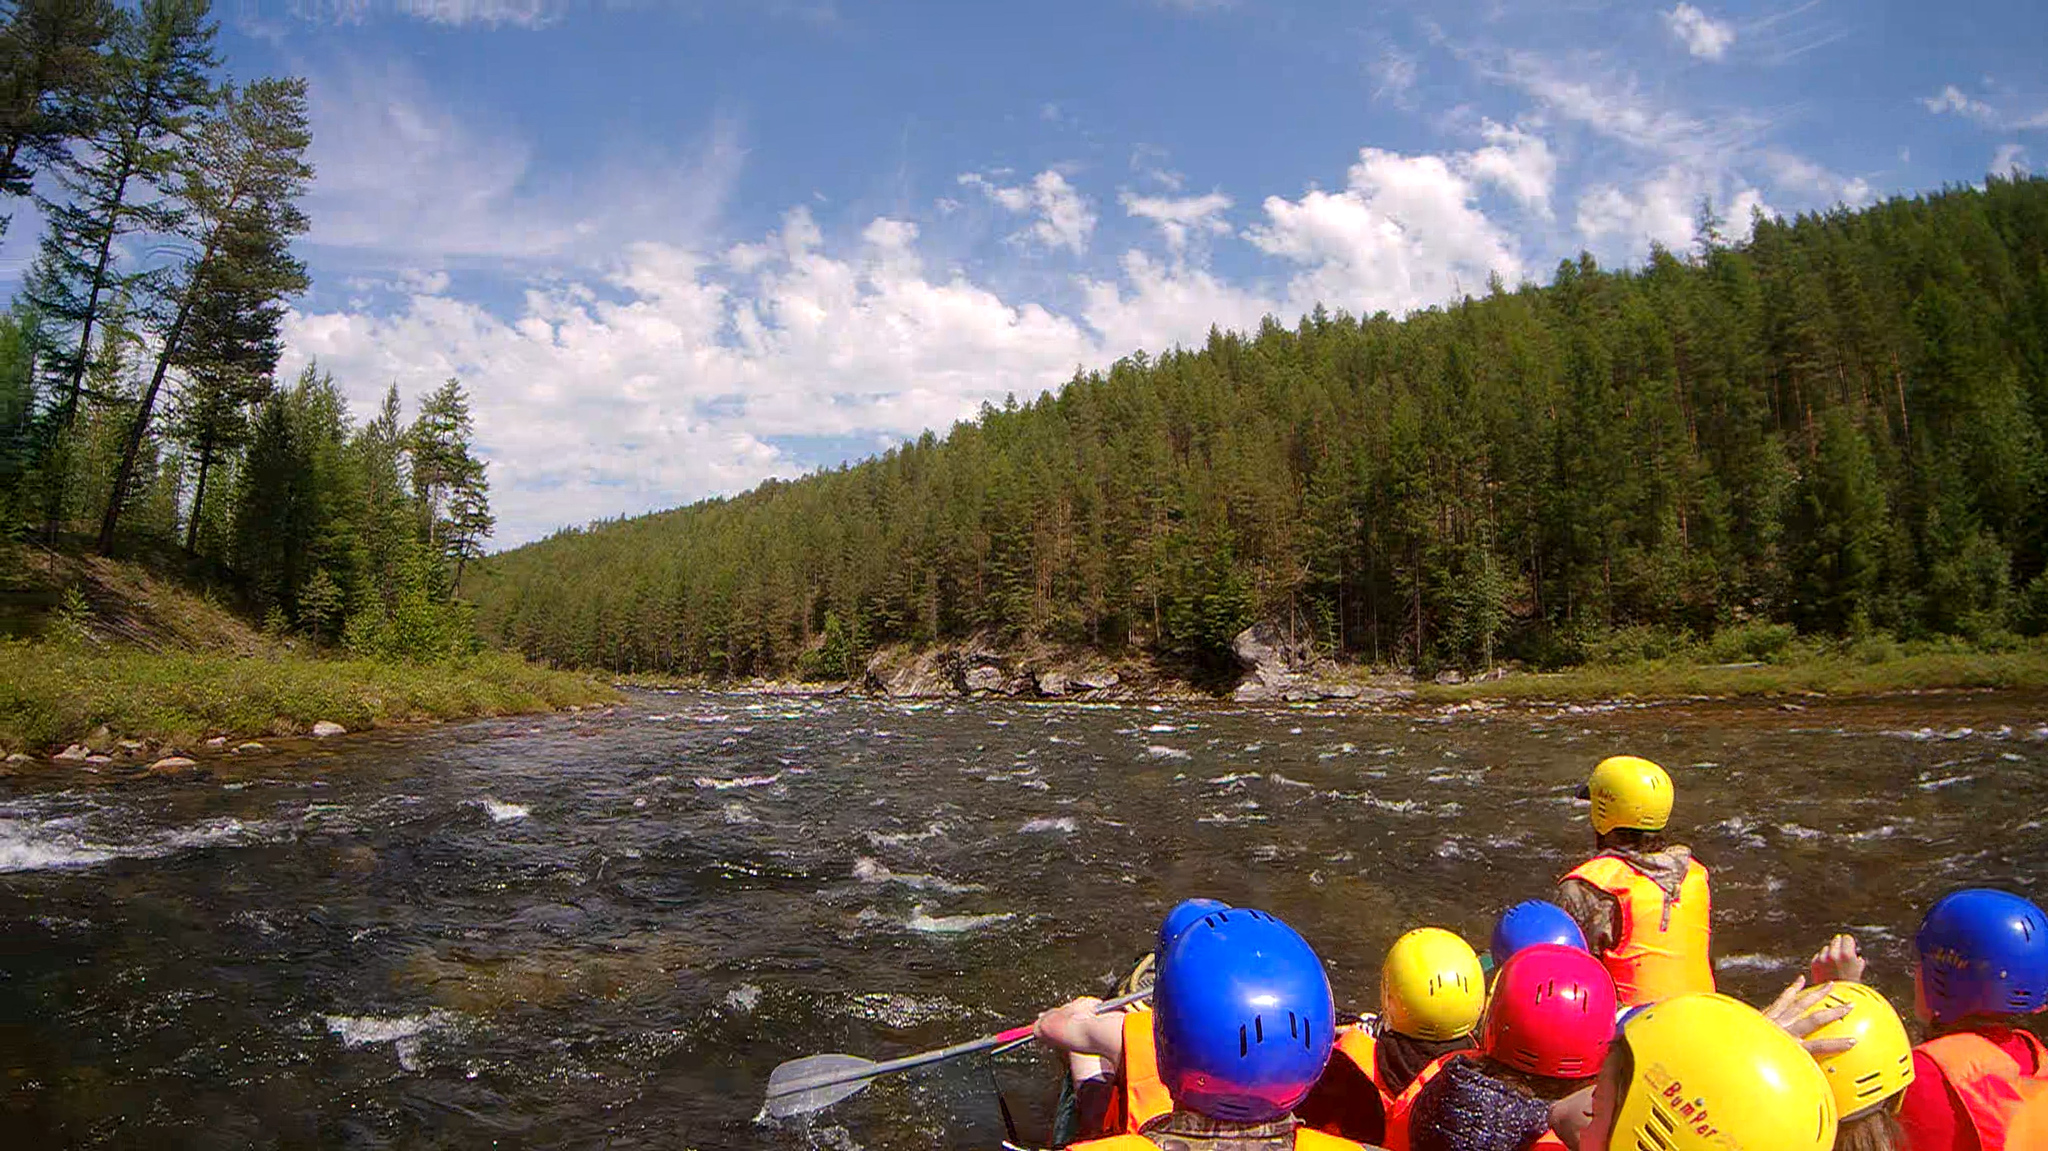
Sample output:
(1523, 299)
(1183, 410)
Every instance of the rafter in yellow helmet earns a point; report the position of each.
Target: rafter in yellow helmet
(1629, 791)
(1712, 1074)
(1431, 986)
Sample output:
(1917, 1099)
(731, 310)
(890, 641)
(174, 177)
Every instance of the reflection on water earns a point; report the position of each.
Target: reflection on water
(583, 931)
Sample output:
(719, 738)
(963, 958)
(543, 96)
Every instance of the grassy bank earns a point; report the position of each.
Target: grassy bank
(1833, 673)
(53, 694)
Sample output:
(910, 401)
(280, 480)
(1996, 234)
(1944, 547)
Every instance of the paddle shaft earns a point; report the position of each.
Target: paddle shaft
(986, 1042)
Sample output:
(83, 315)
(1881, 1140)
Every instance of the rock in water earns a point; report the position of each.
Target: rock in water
(251, 746)
(173, 765)
(217, 741)
(76, 753)
(328, 727)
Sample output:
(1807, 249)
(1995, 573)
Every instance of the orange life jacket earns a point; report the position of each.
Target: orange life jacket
(1144, 1097)
(1666, 945)
(1305, 1139)
(1403, 1105)
(1990, 1082)
(1363, 1049)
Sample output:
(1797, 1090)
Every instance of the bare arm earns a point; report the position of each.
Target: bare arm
(1076, 1029)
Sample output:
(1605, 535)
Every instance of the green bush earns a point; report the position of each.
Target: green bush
(1755, 641)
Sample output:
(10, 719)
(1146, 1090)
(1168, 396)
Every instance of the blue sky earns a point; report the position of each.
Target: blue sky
(675, 248)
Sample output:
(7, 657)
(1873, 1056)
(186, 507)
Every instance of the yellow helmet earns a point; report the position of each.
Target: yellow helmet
(1628, 791)
(1431, 986)
(1880, 1066)
(1712, 1074)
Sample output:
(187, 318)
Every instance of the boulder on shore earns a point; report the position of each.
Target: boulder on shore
(1052, 684)
(1097, 680)
(217, 741)
(326, 728)
(984, 678)
(76, 753)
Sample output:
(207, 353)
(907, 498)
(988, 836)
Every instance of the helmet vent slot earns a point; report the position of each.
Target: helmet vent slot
(1657, 1129)
(1259, 1028)
(1244, 1046)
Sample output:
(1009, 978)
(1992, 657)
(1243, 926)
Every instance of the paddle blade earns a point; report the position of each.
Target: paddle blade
(815, 1082)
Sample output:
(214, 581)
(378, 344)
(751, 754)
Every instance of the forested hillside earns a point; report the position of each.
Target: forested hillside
(1837, 425)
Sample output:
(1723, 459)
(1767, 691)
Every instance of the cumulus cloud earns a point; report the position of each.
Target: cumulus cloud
(1518, 162)
(667, 379)
(1405, 231)
(1951, 101)
(1702, 35)
(1663, 209)
(1065, 217)
(2010, 158)
(1177, 217)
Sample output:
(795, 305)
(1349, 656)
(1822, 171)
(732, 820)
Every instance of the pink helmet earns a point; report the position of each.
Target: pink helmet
(1552, 1013)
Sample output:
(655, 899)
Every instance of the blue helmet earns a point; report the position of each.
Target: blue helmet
(1983, 952)
(1531, 922)
(1184, 915)
(1243, 1019)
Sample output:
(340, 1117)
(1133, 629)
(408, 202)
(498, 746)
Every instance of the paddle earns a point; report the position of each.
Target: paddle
(816, 1082)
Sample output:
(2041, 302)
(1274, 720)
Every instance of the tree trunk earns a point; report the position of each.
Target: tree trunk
(198, 499)
(140, 428)
(92, 299)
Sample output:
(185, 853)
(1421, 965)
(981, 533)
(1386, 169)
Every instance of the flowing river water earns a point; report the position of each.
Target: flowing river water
(604, 931)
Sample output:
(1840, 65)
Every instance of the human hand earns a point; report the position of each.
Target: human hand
(1793, 1011)
(1838, 960)
(1570, 1116)
(1065, 1026)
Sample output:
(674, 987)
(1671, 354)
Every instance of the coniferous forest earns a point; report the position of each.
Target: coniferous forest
(139, 407)
(1839, 425)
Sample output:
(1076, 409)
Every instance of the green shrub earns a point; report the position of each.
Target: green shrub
(1755, 641)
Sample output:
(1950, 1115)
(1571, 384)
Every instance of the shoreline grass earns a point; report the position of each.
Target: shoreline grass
(53, 694)
(1834, 675)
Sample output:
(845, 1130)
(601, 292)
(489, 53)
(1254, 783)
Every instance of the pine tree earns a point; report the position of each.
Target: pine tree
(239, 185)
(51, 69)
(156, 82)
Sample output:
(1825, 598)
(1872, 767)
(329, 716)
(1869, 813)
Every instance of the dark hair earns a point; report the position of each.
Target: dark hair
(1622, 1062)
(1633, 839)
(1874, 1130)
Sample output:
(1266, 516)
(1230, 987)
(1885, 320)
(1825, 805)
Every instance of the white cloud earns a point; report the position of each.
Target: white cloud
(1517, 161)
(1166, 304)
(1663, 209)
(1586, 91)
(1065, 217)
(663, 382)
(401, 173)
(1794, 173)
(2010, 158)
(1703, 36)
(1951, 100)
(455, 13)
(1179, 216)
(1405, 231)
(1396, 73)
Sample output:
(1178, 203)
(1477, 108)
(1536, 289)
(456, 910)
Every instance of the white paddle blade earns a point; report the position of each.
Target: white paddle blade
(802, 1086)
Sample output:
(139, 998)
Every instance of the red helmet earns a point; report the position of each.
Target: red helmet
(1552, 1013)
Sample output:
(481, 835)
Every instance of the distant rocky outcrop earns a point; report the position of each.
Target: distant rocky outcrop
(1280, 666)
(979, 668)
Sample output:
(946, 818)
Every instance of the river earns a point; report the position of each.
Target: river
(604, 931)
